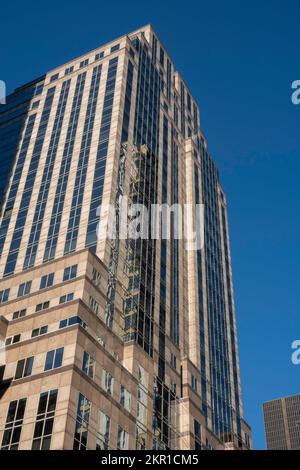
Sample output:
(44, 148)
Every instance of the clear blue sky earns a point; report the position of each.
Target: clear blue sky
(239, 59)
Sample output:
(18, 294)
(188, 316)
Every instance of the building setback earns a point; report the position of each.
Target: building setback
(115, 343)
(282, 423)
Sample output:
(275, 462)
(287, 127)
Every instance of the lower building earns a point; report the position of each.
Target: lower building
(282, 423)
(115, 342)
(72, 383)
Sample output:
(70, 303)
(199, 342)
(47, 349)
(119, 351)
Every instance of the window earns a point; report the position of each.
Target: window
(173, 387)
(54, 77)
(189, 101)
(142, 376)
(194, 383)
(4, 295)
(54, 359)
(42, 306)
(72, 321)
(162, 56)
(70, 273)
(142, 396)
(96, 276)
(88, 364)
(142, 405)
(115, 48)
(173, 360)
(44, 421)
(7, 213)
(35, 105)
(24, 289)
(66, 298)
(107, 382)
(47, 281)
(94, 305)
(197, 432)
(19, 314)
(82, 423)
(122, 438)
(102, 439)
(83, 63)
(39, 331)
(12, 340)
(13, 426)
(69, 70)
(24, 367)
(99, 55)
(39, 89)
(125, 398)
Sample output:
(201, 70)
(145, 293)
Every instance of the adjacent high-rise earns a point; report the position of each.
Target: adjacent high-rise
(282, 423)
(113, 342)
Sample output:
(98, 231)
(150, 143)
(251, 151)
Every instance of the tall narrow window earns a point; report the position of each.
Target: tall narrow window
(122, 438)
(94, 306)
(44, 421)
(125, 398)
(88, 364)
(197, 433)
(96, 276)
(102, 440)
(107, 382)
(13, 426)
(82, 423)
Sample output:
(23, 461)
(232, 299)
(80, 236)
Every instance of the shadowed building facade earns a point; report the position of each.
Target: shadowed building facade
(115, 343)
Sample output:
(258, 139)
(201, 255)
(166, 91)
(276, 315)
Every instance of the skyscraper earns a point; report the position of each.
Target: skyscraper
(111, 341)
(282, 423)
(12, 118)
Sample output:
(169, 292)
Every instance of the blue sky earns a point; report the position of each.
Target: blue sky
(239, 60)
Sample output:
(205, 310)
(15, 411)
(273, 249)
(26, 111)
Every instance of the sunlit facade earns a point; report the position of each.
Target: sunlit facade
(114, 343)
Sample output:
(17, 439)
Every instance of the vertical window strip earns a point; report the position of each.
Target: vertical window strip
(62, 182)
(222, 419)
(182, 99)
(13, 427)
(232, 330)
(174, 319)
(114, 254)
(29, 186)
(163, 257)
(169, 71)
(16, 180)
(139, 310)
(91, 236)
(201, 306)
(82, 423)
(44, 421)
(77, 198)
(40, 208)
(154, 49)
